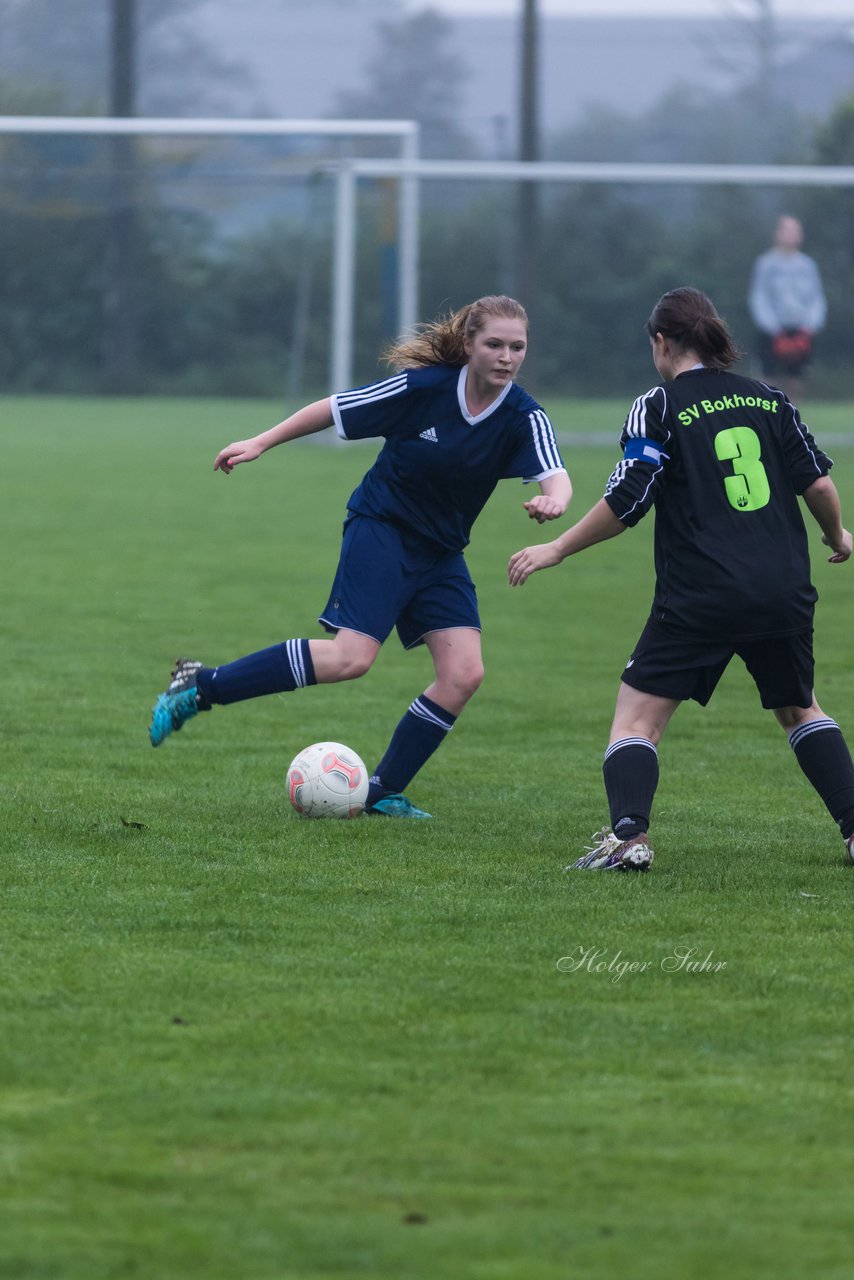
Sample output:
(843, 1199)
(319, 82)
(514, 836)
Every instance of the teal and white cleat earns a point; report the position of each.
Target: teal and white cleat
(396, 806)
(178, 704)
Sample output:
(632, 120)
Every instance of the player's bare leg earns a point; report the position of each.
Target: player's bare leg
(458, 668)
(640, 715)
(458, 664)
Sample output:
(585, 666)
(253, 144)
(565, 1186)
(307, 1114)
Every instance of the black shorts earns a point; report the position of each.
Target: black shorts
(681, 665)
(776, 366)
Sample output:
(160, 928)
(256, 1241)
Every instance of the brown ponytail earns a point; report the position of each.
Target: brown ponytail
(688, 319)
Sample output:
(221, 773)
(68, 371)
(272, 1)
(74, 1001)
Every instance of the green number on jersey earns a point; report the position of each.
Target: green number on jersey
(748, 488)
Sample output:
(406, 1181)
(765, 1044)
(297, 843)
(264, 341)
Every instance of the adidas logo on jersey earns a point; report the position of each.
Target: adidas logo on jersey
(429, 434)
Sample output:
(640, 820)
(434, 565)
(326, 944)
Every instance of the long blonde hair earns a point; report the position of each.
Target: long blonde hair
(442, 341)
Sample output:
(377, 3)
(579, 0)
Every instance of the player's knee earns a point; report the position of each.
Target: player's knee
(353, 665)
(349, 656)
(790, 717)
(468, 680)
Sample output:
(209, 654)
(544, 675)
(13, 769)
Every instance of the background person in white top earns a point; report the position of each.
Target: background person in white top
(788, 307)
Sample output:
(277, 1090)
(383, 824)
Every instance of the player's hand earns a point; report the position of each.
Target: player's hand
(841, 550)
(543, 508)
(526, 562)
(233, 454)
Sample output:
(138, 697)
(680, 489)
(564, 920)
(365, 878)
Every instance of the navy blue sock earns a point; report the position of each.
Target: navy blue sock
(630, 770)
(279, 669)
(419, 733)
(822, 753)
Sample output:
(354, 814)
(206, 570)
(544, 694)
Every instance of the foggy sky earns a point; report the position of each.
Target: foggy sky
(842, 9)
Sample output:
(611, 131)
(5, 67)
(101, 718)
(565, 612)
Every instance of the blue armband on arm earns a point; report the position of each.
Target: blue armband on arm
(647, 450)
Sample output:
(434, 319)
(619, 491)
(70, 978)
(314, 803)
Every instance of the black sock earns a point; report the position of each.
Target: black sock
(822, 753)
(630, 770)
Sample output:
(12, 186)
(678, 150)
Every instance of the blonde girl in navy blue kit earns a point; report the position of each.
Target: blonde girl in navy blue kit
(455, 423)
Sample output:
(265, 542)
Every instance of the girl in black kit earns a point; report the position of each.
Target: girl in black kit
(723, 459)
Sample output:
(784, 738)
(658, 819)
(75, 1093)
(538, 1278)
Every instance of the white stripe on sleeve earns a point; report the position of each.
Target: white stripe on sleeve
(544, 441)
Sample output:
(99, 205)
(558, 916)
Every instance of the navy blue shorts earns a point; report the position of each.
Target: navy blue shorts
(389, 577)
(679, 665)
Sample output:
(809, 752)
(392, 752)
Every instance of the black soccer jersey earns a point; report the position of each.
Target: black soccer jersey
(723, 459)
(440, 463)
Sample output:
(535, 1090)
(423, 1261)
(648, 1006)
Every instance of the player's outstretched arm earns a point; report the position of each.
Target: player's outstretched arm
(552, 500)
(313, 417)
(598, 525)
(822, 499)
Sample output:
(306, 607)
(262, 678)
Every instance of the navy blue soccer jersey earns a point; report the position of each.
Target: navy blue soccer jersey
(723, 459)
(440, 463)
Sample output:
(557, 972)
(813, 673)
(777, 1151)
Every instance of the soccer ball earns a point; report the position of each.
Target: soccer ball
(327, 780)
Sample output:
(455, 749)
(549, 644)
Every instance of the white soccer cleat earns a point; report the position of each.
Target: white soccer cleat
(608, 853)
(604, 844)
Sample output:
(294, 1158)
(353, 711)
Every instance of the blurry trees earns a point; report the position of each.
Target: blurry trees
(685, 125)
(753, 52)
(219, 273)
(605, 263)
(415, 74)
(828, 217)
(45, 40)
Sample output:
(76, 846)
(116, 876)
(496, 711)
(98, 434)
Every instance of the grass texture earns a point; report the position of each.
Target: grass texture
(242, 1046)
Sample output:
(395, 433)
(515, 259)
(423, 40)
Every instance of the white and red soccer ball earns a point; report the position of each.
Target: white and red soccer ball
(327, 780)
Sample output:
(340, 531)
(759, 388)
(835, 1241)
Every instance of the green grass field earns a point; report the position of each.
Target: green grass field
(241, 1046)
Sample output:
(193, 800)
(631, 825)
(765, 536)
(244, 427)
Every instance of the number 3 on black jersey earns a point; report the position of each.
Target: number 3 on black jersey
(748, 488)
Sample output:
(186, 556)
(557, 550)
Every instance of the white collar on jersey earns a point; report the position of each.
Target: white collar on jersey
(472, 418)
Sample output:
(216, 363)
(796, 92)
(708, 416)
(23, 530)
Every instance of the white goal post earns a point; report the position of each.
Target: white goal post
(409, 170)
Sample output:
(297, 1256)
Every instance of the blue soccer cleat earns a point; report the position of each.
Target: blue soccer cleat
(396, 806)
(171, 712)
(178, 704)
